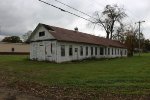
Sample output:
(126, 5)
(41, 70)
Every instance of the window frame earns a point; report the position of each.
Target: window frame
(42, 33)
(81, 50)
(12, 49)
(62, 48)
(125, 52)
(70, 50)
(105, 51)
(91, 51)
(95, 50)
(108, 51)
(118, 51)
(87, 51)
(101, 50)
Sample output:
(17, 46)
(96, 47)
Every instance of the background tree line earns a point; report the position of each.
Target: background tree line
(112, 20)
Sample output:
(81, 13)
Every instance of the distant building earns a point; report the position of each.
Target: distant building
(59, 45)
(14, 48)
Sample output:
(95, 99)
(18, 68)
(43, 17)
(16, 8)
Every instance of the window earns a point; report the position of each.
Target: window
(118, 52)
(108, 51)
(12, 49)
(62, 50)
(91, 50)
(51, 47)
(112, 51)
(101, 51)
(70, 50)
(81, 50)
(105, 51)
(86, 51)
(41, 34)
(95, 50)
(115, 51)
(76, 49)
(125, 52)
(121, 52)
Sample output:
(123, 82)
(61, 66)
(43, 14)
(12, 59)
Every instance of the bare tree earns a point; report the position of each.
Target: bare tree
(111, 16)
(119, 33)
(131, 38)
(26, 36)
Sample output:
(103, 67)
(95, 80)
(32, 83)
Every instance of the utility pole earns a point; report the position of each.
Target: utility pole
(139, 22)
(0, 30)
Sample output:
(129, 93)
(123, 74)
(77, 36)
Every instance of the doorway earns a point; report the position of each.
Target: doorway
(41, 52)
(76, 54)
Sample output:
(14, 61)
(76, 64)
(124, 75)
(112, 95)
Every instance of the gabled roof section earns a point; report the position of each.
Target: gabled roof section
(66, 35)
(62, 34)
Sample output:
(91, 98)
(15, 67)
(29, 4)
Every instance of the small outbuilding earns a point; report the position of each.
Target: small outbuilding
(50, 43)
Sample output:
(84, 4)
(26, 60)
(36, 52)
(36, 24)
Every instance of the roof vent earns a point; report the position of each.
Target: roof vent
(76, 29)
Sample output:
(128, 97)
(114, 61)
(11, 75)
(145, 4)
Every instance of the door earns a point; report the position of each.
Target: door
(48, 52)
(34, 51)
(41, 52)
(76, 54)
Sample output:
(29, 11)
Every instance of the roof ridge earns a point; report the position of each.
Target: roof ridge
(73, 31)
(63, 34)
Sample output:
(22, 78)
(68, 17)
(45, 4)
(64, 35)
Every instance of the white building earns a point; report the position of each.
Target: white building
(49, 43)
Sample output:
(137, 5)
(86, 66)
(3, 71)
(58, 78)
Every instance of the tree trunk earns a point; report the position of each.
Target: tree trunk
(111, 30)
(107, 35)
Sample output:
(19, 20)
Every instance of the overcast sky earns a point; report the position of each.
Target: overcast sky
(19, 16)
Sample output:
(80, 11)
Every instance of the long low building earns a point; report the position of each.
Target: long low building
(59, 45)
(14, 48)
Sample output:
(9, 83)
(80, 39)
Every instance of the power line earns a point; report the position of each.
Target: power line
(65, 10)
(78, 11)
(74, 9)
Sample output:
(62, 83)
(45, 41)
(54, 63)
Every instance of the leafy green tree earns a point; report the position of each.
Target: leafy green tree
(147, 45)
(12, 39)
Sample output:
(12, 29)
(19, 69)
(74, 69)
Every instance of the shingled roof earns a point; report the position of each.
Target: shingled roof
(66, 35)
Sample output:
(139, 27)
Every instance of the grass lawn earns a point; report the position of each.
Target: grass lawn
(120, 75)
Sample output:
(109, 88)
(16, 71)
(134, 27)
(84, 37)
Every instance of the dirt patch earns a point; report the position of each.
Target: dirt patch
(8, 91)
(25, 90)
(10, 94)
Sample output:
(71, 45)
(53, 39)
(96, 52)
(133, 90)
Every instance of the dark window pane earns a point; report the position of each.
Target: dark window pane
(81, 50)
(101, 51)
(86, 51)
(95, 50)
(62, 50)
(76, 49)
(41, 34)
(91, 50)
(51, 47)
(125, 52)
(12, 49)
(108, 51)
(105, 51)
(70, 50)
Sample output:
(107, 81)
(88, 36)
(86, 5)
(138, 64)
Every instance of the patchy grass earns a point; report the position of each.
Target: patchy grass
(119, 76)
